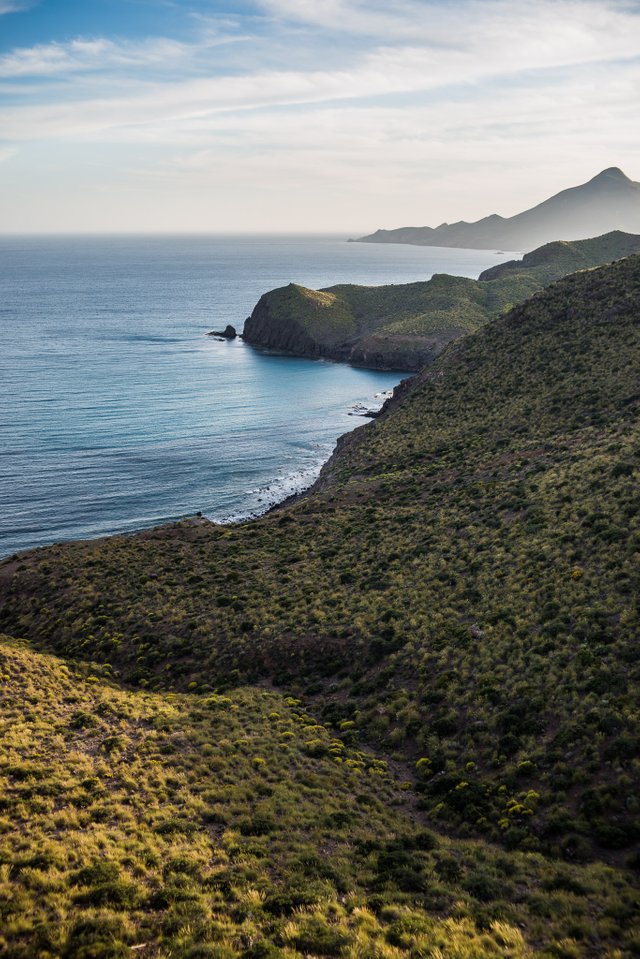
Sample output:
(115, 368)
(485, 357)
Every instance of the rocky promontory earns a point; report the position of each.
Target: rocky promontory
(406, 326)
(328, 324)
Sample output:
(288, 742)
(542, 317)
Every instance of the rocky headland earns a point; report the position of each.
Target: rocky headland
(406, 326)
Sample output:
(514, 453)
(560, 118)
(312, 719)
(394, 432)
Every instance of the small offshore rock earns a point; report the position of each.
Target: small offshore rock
(229, 332)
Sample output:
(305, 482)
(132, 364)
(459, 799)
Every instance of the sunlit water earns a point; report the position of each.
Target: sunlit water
(117, 412)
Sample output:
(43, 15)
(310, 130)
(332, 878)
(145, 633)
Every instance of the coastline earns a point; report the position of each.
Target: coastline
(140, 418)
(396, 396)
(307, 488)
(301, 482)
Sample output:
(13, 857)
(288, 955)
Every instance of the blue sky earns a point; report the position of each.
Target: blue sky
(307, 115)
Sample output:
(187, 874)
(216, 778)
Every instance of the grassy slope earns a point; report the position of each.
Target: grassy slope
(341, 314)
(561, 257)
(191, 826)
(444, 304)
(430, 306)
(461, 589)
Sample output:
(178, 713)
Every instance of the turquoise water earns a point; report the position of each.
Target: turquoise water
(117, 412)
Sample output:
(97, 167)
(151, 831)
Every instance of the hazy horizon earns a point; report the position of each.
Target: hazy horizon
(309, 117)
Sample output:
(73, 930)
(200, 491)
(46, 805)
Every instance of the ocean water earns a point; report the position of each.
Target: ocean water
(117, 412)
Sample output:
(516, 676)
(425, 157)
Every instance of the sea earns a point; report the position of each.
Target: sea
(118, 412)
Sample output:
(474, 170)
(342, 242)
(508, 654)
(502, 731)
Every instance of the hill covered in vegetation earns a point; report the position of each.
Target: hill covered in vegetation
(609, 201)
(405, 326)
(439, 751)
(193, 827)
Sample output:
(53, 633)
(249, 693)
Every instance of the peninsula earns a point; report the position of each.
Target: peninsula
(610, 201)
(405, 326)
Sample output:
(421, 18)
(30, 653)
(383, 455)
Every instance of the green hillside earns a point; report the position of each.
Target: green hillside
(458, 595)
(553, 260)
(407, 325)
(318, 312)
(193, 827)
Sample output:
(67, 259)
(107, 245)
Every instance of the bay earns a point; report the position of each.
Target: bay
(117, 412)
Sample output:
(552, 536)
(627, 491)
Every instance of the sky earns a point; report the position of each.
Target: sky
(307, 115)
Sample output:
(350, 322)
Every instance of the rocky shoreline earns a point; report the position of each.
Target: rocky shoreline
(389, 399)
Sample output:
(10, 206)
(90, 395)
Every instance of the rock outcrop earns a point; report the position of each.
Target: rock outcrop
(229, 332)
(277, 323)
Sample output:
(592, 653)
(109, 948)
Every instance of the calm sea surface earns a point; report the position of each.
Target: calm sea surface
(117, 412)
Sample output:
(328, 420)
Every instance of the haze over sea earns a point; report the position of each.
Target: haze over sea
(117, 412)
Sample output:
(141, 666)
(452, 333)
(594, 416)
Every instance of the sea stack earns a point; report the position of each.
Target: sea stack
(229, 332)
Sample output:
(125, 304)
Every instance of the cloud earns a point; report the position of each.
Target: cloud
(14, 6)
(412, 136)
(369, 19)
(456, 42)
(93, 54)
(450, 24)
(185, 108)
(418, 92)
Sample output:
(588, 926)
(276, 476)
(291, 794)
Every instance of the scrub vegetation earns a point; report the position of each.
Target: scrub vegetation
(413, 692)
(216, 825)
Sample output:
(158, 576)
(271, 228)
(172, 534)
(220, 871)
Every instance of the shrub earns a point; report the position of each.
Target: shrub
(285, 901)
(119, 894)
(99, 937)
(315, 936)
(102, 871)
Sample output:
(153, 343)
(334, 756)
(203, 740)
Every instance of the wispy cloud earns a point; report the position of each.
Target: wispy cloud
(370, 19)
(166, 109)
(460, 42)
(81, 55)
(451, 24)
(15, 6)
(345, 97)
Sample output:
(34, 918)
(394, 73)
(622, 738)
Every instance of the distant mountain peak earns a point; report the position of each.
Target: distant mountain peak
(612, 173)
(609, 201)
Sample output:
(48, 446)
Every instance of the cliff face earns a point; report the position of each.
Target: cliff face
(384, 351)
(269, 329)
(405, 327)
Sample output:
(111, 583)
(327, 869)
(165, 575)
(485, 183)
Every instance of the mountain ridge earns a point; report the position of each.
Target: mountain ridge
(608, 201)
